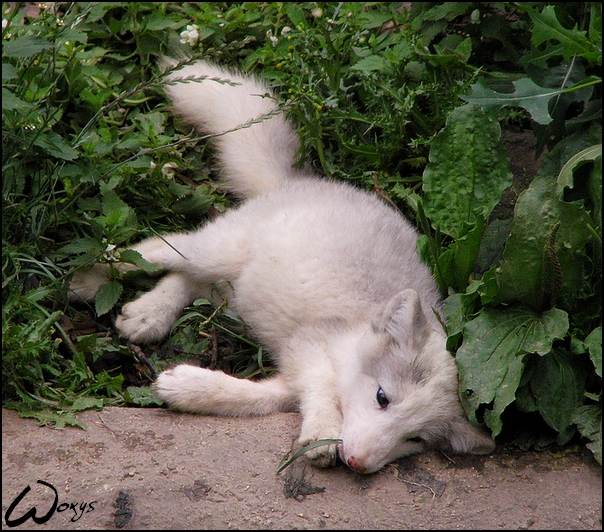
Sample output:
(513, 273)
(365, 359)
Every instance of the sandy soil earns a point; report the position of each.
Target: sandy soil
(156, 469)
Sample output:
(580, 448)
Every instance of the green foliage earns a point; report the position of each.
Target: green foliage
(521, 327)
(410, 103)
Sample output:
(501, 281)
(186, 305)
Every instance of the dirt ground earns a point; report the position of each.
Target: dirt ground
(156, 469)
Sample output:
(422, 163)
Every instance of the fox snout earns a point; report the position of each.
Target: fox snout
(356, 463)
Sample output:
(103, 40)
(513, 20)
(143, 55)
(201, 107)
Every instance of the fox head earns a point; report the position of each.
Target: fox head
(402, 399)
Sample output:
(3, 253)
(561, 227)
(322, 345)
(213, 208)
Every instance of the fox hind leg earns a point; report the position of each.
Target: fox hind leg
(204, 391)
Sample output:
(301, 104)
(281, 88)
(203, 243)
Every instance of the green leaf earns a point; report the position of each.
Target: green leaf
(467, 172)
(295, 14)
(194, 204)
(83, 245)
(589, 422)
(558, 383)
(25, 46)
(11, 101)
(566, 177)
(118, 218)
(130, 256)
(492, 358)
(142, 396)
(594, 344)
(51, 418)
(107, 296)
(458, 261)
(571, 42)
(369, 64)
(86, 403)
(528, 95)
(536, 213)
(54, 144)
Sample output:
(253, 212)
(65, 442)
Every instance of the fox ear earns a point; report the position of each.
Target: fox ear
(403, 319)
(468, 439)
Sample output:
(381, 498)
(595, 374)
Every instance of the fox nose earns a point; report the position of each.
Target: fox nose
(356, 465)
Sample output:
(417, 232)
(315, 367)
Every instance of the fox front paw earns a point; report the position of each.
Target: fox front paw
(323, 455)
(144, 320)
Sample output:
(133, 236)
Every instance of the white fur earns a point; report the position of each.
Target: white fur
(329, 279)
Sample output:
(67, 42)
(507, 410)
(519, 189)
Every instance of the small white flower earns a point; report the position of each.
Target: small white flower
(190, 35)
(285, 30)
(110, 255)
(316, 12)
(166, 170)
(271, 37)
(4, 24)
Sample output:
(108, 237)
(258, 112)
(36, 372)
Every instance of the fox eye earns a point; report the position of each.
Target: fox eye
(381, 398)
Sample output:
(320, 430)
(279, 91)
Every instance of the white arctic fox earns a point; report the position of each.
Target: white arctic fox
(328, 278)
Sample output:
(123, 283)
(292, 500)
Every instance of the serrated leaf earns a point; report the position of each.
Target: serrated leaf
(492, 358)
(9, 72)
(131, 256)
(369, 64)
(86, 403)
(49, 417)
(56, 145)
(528, 95)
(25, 46)
(295, 14)
(566, 177)
(467, 172)
(11, 101)
(118, 218)
(107, 297)
(143, 396)
(572, 42)
(83, 245)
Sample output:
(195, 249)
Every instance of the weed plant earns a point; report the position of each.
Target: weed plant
(407, 103)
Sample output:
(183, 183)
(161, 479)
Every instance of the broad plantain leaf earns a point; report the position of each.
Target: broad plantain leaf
(457, 262)
(558, 383)
(589, 422)
(594, 344)
(537, 212)
(492, 358)
(467, 172)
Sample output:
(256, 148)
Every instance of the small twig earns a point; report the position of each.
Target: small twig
(141, 357)
(214, 351)
(379, 190)
(104, 425)
(448, 457)
(420, 486)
